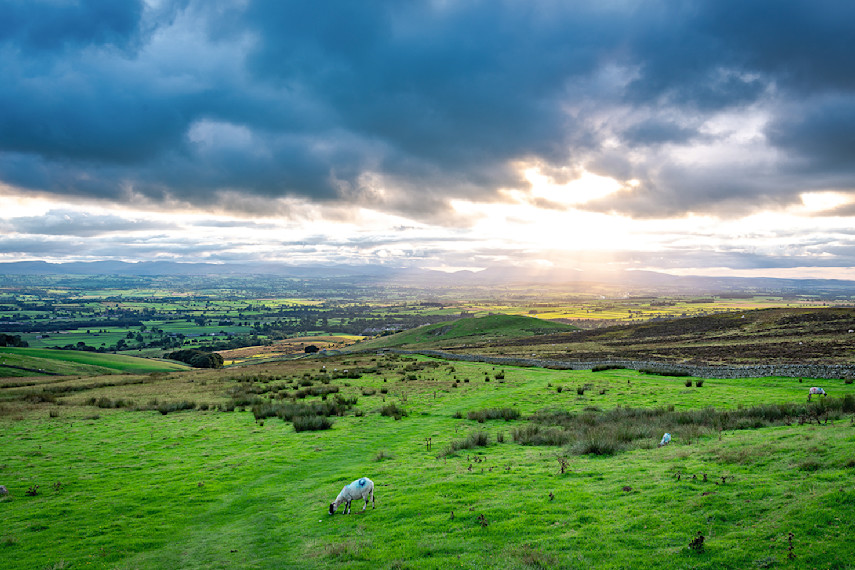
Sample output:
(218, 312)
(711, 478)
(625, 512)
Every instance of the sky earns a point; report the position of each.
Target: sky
(708, 137)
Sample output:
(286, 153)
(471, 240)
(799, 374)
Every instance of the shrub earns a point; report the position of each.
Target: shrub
(688, 383)
(604, 367)
(699, 383)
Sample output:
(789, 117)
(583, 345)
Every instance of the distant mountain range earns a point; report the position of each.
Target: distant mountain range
(632, 282)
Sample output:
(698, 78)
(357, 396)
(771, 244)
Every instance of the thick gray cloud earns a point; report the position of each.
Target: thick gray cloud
(73, 223)
(434, 100)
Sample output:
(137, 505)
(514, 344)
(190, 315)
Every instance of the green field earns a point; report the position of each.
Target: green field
(119, 488)
(38, 361)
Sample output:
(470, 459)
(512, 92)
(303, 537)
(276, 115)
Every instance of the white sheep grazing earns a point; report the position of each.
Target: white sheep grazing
(666, 439)
(816, 391)
(362, 488)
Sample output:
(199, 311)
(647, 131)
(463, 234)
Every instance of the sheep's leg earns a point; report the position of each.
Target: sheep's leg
(365, 506)
(373, 506)
(347, 511)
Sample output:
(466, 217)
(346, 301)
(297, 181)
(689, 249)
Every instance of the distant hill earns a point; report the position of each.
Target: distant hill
(44, 361)
(468, 330)
(570, 280)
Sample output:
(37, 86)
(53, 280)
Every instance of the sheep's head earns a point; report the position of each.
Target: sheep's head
(333, 507)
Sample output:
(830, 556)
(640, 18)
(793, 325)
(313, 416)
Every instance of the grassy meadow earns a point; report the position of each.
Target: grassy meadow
(29, 361)
(108, 473)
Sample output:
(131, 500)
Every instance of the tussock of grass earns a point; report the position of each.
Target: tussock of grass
(288, 411)
(471, 441)
(311, 423)
(105, 402)
(167, 407)
(481, 416)
(393, 411)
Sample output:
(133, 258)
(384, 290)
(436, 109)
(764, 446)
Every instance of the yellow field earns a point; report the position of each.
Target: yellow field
(287, 347)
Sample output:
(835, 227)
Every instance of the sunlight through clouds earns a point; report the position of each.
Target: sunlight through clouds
(448, 135)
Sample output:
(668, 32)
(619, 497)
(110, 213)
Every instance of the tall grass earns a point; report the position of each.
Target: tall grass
(610, 432)
(311, 423)
(288, 411)
(471, 441)
(481, 416)
(393, 411)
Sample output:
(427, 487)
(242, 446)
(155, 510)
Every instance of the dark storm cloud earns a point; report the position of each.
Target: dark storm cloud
(42, 25)
(436, 100)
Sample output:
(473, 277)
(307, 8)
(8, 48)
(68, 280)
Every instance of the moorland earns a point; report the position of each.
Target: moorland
(124, 459)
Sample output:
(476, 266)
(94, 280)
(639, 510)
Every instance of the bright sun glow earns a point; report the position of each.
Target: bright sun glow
(583, 189)
(824, 201)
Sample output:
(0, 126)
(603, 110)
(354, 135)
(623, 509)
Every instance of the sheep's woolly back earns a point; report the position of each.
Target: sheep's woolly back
(359, 489)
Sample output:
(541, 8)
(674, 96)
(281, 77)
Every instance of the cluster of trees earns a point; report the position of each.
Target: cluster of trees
(12, 340)
(197, 358)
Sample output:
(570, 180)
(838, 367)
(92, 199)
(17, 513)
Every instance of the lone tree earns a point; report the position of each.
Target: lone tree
(311, 349)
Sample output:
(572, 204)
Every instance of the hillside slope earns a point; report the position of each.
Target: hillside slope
(44, 361)
(489, 329)
(767, 336)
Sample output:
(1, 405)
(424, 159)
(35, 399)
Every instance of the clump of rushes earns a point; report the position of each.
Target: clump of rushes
(471, 441)
(393, 411)
(506, 414)
(311, 423)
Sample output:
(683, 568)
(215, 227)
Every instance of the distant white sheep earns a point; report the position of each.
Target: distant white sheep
(362, 488)
(666, 439)
(815, 391)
